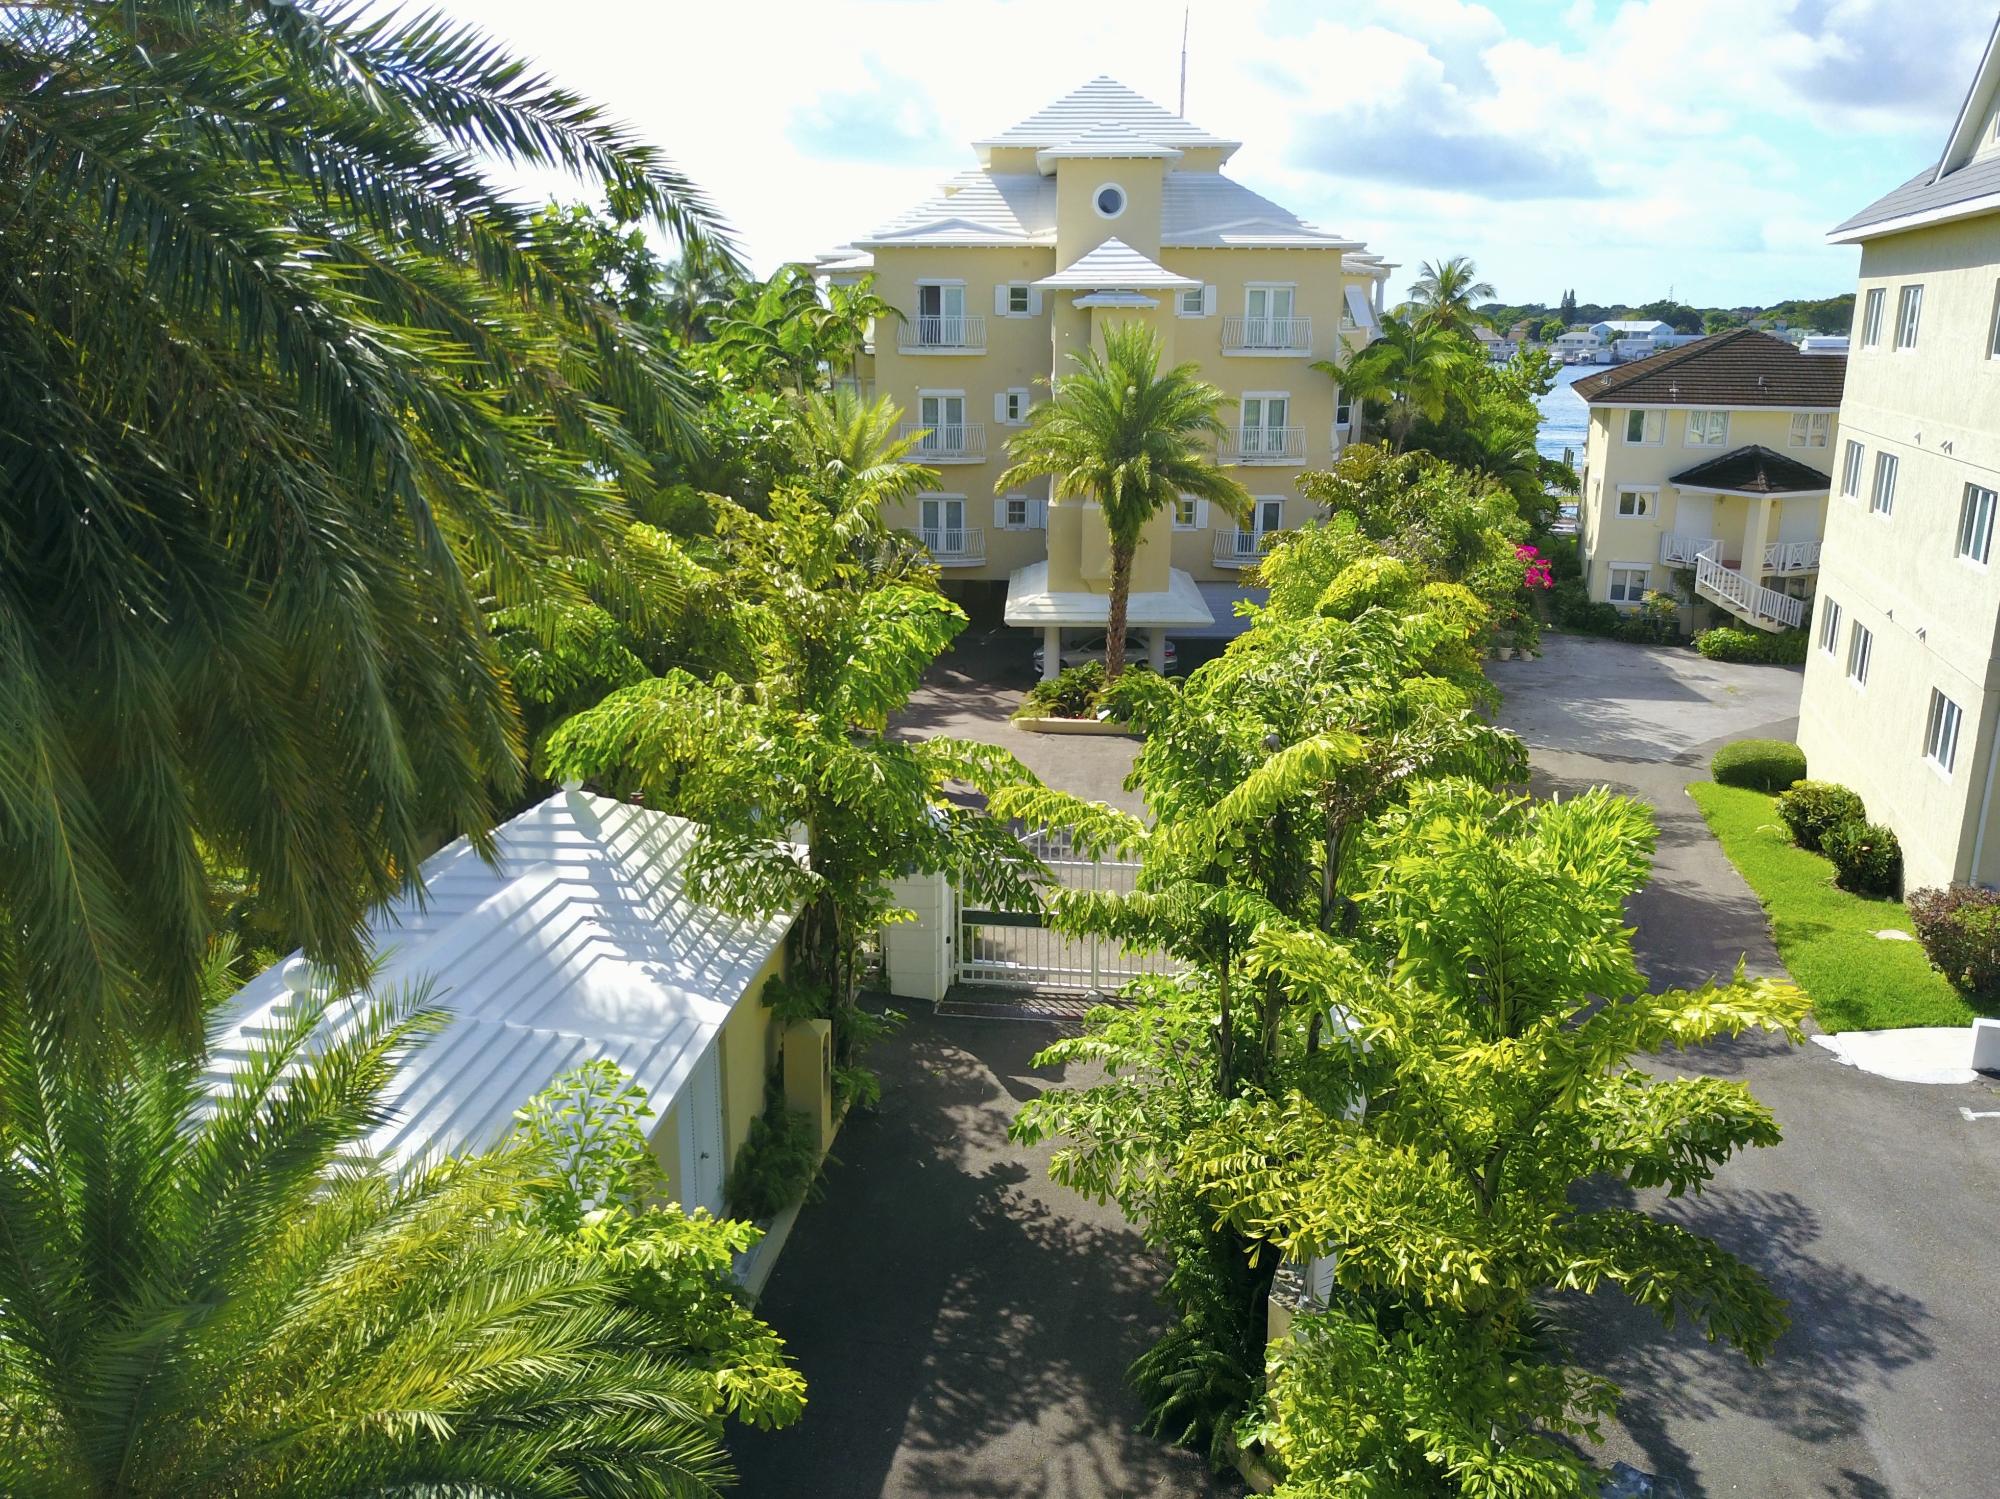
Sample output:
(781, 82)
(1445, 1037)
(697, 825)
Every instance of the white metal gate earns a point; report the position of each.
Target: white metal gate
(1019, 950)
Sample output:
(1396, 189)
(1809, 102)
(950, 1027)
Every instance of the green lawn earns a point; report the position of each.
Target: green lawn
(1856, 981)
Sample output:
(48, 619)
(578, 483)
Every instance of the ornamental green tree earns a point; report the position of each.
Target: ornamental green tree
(1490, 1012)
(807, 801)
(285, 389)
(204, 1295)
(1415, 370)
(1134, 439)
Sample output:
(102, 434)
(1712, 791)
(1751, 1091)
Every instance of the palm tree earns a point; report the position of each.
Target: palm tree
(1413, 369)
(285, 387)
(1443, 295)
(1134, 440)
(197, 1301)
(847, 444)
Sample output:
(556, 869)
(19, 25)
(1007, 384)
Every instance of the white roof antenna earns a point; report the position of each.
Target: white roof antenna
(1184, 33)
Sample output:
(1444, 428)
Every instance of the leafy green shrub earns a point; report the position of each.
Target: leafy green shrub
(1752, 647)
(1657, 621)
(1759, 764)
(1072, 694)
(1867, 858)
(778, 1161)
(1364, 584)
(1960, 930)
(1812, 809)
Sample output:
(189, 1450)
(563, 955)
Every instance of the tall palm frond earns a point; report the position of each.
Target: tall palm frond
(1442, 296)
(1133, 439)
(281, 372)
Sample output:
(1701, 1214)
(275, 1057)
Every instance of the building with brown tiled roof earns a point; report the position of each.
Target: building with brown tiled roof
(1706, 475)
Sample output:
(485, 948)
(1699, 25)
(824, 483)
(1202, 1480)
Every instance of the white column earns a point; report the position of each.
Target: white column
(1051, 652)
(1156, 649)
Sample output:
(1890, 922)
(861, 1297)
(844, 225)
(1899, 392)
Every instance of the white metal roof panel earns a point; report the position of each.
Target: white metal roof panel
(1115, 264)
(1104, 100)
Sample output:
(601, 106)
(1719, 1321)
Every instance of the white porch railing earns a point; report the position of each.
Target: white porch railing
(1792, 557)
(1268, 445)
(1681, 551)
(1238, 548)
(1745, 598)
(945, 442)
(954, 546)
(1267, 335)
(962, 332)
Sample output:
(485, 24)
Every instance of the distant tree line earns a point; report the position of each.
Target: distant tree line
(1816, 314)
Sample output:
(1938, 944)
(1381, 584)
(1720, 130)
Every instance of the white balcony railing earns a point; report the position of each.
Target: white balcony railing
(1747, 599)
(1682, 551)
(954, 546)
(1268, 445)
(959, 333)
(945, 442)
(1792, 557)
(1267, 335)
(1238, 548)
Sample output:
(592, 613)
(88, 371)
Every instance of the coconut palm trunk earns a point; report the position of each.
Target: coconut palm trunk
(1118, 607)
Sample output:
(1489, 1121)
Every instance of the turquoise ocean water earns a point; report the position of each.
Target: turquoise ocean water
(1564, 416)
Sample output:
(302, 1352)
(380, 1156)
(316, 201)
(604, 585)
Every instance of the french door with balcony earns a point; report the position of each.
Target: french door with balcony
(1267, 320)
(1267, 521)
(1264, 428)
(941, 519)
(941, 315)
(945, 417)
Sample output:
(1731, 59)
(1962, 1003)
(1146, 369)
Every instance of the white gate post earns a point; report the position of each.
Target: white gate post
(917, 955)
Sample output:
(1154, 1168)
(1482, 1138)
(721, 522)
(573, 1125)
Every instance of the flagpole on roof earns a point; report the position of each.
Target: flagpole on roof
(1184, 33)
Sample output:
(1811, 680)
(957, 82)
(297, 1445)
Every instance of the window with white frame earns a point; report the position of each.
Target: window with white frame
(1010, 407)
(1264, 433)
(1707, 429)
(1645, 429)
(942, 415)
(1850, 469)
(1829, 626)
(1628, 585)
(1909, 309)
(1343, 412)
(1187, 513)
(1811, 429)
(1882, 497)
(1941, 732)
(941, 321)
(1633, 503)
(1020, 298)
(1860, 646)
(1194, 301)
(1975, 524)
(1871, 317)
(1017, 512)
(1267, 316)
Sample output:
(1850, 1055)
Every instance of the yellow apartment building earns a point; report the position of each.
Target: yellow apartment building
(1712, 459)
(1105, 208)
(1902, 688)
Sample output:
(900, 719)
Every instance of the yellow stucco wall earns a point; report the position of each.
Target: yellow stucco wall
(1932, 614)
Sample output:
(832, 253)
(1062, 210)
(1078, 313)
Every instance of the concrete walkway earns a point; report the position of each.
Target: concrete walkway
(1875, 1217)
(963, 1324)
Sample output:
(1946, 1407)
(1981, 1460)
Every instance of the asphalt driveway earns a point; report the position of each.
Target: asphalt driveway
(1876, 1216)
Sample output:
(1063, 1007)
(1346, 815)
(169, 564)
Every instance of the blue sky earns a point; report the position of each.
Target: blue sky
(1623, 149)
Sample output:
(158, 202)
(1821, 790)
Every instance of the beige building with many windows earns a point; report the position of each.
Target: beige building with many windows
(1711, 461)
(1902, 688)
(1106, 208)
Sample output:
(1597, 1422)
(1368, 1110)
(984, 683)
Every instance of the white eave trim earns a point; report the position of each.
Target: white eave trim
(1968, 208)
(1612, 403)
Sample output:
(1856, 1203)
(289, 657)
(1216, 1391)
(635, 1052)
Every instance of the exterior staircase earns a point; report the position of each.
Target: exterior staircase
(1746, 598)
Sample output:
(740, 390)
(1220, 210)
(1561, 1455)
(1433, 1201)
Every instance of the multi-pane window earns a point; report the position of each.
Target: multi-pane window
(1013, 405)
(1628, 585)
(1975, 524)
(1187, 512)
(1634, 502)
(1018, 299)
(1811, 429)
(1829, 626)
(1645, 428)
(1264, 430)
(1941, 732)
(1193, 302)
(1860, 646)
(1343, 413)
(1707, 429)
(1871, 317)
(1909, 308)
(1017, 512)
(1850, 469)
(1882, 498)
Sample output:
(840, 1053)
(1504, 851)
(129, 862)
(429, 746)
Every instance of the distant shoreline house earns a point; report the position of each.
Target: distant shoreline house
(1105, 208)
(1711, 459)
(1902, 689)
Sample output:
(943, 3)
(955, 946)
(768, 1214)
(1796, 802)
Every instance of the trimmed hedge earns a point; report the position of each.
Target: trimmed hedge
(1812, 809)
(1960, 930)
(1867, 857)
(1752, 647)
(1759, 764)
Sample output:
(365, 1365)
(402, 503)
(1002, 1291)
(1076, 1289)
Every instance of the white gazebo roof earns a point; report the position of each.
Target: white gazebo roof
(1116, 266)
(1030, 603)
(579, 941)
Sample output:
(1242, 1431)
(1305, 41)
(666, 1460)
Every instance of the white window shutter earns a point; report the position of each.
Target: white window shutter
(1201, 511)
(1000, 406)
(1000, 300)
(1034, 301)
(1000, 512)
(1038, 514)
(1208, 301)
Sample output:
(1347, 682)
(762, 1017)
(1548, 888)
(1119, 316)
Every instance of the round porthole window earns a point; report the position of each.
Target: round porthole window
(1110, 201)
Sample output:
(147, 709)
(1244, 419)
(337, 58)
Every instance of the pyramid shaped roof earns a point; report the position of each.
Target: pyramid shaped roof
(1115, 265)
(1104, 101)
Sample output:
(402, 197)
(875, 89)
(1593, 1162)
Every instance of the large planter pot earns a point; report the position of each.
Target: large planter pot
(1075, 726)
